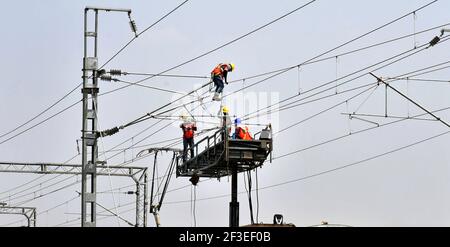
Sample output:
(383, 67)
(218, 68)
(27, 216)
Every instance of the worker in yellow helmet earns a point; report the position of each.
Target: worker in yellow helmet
(226, 120)
(219, 76)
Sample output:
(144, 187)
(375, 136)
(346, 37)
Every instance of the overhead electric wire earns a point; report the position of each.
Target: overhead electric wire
(422, 72)
(411, 100)
(42, 212)
(115, 214)
(418, 74)
(46, 194)
(354, 133)
(346, 136)
(100, 218)
(54, 207)
(65, 179)
(149, 115)
(398, 60)
(193, 59)
(255, 76)
(65, 96)
(169, 75)
(289, 105)
(345, 42)
(29, 182)
(325, 110)
(145, 30)
(41, 113)
(151, 87)
(362, 161)
(117, 53)
(338, 55)
(388, 116)
(36, 191)
(332, 170)
(217, 48)
(41, 122)
(282, 71)
(326, 171)
(22, 185)
(421, 80)
(423, 48)
(145, 145)
(108, 168)
(261, 28)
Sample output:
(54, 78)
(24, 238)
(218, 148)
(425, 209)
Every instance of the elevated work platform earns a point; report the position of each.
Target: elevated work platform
(221, 154)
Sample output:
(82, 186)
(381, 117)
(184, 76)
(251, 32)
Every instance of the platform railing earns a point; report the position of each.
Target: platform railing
(211, 141)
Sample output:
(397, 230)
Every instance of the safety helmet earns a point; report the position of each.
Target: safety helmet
(225, 109)
(237, 121)
(232, 66)
(184, 116)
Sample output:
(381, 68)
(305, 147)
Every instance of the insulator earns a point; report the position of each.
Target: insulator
(133, 27)
(115, 72)
(108, 132)
(434, 41)
(130, 192)
(101, 72)
(105, 78)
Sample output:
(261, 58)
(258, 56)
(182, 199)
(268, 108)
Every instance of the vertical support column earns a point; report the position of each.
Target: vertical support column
(138, 204)
(145, 198)
(141, 199)
(234, 204)
(89, 128)
(28, 221)
(33, 218)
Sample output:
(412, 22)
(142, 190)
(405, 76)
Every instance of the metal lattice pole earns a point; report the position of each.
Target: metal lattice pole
(89, 124)
(89, 128)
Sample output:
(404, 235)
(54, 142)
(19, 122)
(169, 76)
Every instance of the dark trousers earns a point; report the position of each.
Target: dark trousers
(218, 83)
(188, 142)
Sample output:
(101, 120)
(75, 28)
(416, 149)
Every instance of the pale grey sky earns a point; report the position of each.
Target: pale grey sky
(42, 50)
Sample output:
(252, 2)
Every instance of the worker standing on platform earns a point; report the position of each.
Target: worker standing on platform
(188, 128)
(226, 120)
(237, 123)
(219, 76)
(241, 132)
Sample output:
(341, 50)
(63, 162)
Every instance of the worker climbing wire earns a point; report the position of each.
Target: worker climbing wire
(219, 76)
(188, 128)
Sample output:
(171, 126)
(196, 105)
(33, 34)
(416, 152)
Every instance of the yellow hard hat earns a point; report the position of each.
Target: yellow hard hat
(232, 66)
(225, 109)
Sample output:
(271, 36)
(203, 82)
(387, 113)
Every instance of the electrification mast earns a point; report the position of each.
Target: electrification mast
(89, 124)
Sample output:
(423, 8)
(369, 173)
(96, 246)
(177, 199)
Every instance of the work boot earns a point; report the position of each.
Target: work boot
(216, 96)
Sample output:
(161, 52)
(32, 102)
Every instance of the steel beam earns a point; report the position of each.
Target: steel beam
(138, 174)
(28, 212)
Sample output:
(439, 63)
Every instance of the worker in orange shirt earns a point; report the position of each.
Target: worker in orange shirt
(241, 132)
(219, 76)
(188, 128)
